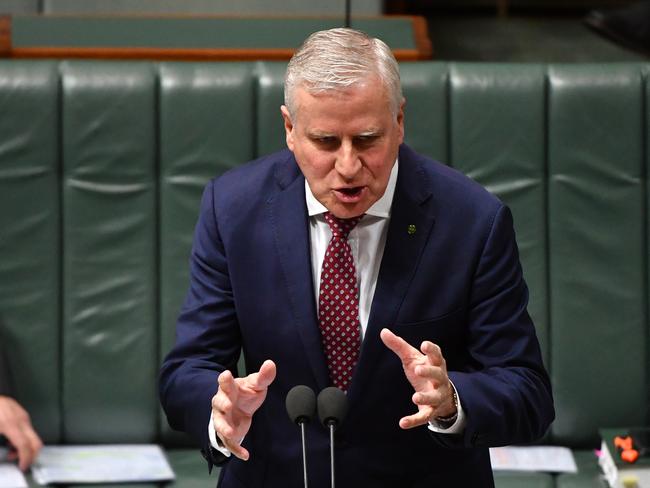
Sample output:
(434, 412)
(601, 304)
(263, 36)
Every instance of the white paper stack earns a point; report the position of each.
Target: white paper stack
(11, 476)
(101, 464)
(538, 458)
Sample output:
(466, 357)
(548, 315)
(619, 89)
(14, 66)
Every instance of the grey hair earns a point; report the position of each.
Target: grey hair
(336, 59)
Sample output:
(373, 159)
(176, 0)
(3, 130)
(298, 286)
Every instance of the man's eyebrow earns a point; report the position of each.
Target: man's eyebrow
(366, 133)
(370, 133)
(318, 133)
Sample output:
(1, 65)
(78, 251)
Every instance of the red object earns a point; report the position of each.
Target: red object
(630, 455)
(625, 446)
(338, 304)
(623, 443)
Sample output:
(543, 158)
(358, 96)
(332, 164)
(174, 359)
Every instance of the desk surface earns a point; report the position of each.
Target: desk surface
(190, 37)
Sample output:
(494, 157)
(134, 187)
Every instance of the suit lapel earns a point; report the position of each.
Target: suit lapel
(410, 225)
(290, 222)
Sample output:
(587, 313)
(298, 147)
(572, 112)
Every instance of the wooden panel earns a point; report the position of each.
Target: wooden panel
(5, 35)
(193, 38)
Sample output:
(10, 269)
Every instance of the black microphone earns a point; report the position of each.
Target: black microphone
(332, 409)
(301, 407)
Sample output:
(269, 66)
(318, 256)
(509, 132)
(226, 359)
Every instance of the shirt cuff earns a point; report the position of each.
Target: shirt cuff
(216, 443)
(458, 426)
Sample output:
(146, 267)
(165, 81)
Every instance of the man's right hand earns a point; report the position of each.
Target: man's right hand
(16, 426)
(235, 403)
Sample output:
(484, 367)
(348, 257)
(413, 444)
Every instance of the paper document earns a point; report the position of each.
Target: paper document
(11, 476)
(538, 458)
(101, 464)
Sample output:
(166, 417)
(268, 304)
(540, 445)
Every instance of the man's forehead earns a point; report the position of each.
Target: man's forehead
(372, 85)
(328, 101)
(324, 87)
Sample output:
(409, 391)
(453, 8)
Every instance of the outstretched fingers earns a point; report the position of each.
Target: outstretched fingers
(398, 345)
(433, 353)
(234, 404)
(417, 419)
(236, 449)
(426, 370)
(227, 382)
(264, 377)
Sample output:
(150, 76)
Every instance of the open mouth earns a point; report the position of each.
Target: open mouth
(351, 192)
(350, 195)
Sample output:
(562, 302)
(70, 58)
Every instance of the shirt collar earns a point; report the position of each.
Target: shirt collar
(381, 208)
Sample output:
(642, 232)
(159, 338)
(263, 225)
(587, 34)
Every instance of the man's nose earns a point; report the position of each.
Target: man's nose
(348, 162)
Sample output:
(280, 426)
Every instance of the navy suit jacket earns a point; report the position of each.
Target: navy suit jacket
(455, 281)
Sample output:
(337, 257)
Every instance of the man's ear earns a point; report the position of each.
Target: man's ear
(400, 119)
(288, 126)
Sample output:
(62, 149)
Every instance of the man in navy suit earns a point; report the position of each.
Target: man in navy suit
(447, 362)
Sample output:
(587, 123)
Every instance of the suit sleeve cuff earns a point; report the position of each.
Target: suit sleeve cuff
(215, 442)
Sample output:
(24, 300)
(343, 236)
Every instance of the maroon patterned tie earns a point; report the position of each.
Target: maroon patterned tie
(338, 303)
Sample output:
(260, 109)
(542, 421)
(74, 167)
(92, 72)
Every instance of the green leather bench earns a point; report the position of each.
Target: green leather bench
(101, 170)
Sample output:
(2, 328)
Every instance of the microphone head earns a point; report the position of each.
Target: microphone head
(301, 404)
(332, 406)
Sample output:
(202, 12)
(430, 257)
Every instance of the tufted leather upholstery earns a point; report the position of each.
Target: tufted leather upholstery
(101, 169)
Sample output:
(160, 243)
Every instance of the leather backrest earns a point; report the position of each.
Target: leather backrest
(109, 329)
(30, 237)
(206, 126)
(598, 248)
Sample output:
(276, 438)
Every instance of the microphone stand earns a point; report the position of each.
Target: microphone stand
(332, 407)
(304, 453)
(301, 407)
(331, 426)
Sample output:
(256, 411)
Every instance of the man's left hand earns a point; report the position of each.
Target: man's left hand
(426, 370)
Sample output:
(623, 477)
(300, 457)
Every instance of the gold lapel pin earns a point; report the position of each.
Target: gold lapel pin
(411, 229)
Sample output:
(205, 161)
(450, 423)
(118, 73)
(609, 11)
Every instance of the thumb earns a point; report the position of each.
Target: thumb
(264, 377)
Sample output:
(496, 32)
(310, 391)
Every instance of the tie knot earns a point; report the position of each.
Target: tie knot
(341, 227)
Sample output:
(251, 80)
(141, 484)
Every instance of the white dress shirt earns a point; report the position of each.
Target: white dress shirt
(367, 241)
